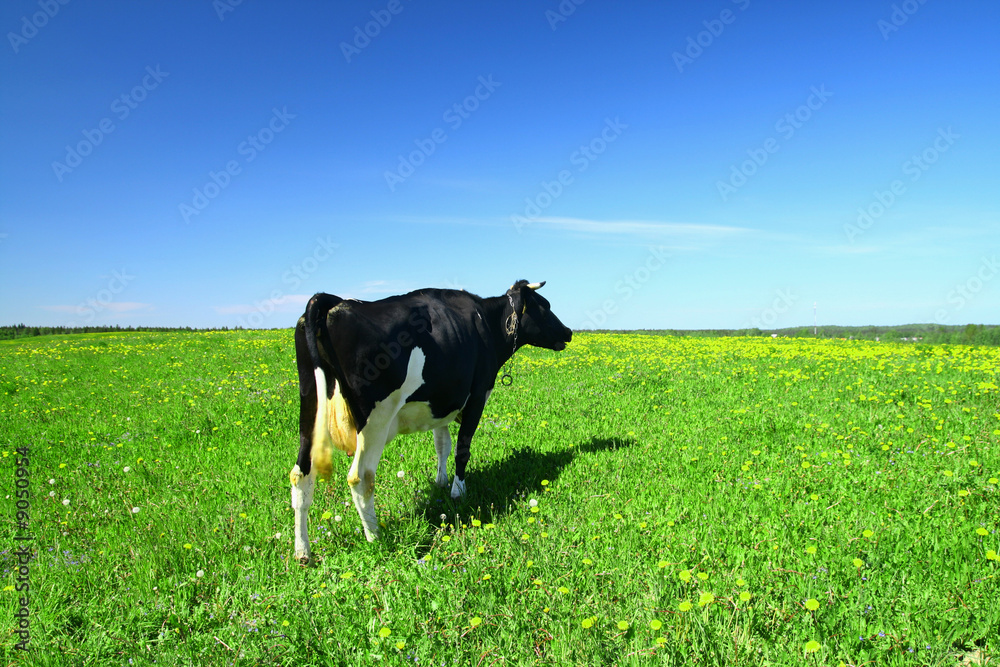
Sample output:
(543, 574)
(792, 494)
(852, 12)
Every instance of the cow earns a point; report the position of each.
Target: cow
(369, 370)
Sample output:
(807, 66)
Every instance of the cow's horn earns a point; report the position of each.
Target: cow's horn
(536, 285)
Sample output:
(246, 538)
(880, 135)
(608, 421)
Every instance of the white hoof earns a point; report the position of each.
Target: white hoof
(442, 480)
(457, 488)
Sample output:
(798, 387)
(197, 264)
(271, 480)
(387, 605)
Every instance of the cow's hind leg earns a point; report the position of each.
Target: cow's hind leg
(303, 474)
(442, 445)
(361, 477)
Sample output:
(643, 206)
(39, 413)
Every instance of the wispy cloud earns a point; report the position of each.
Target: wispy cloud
(377, 287)
(644, 228)
(850, 249)
(116, 307)
(288, 303)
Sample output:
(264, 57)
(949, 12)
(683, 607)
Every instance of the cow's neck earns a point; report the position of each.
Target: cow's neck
(497, 310)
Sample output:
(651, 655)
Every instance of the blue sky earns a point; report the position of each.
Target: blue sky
(718, 164)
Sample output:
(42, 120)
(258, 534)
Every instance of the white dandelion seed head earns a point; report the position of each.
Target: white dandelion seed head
(401, 474)
(126, 469)
(200, 573)
(338, 518)
(66, 501)
(277, 536)
(532, 503)
(52, 494)
(135, 510)
(52, 481)
(246, 548)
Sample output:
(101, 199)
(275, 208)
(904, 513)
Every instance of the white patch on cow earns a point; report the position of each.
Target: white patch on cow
(383, 424)
(416, 416)
(442, 445)
(302, 497)
(457, 488)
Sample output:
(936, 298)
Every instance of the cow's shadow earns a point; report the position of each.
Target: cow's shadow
(496, 489)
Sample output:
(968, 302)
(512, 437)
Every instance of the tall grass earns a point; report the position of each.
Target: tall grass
(632, 500)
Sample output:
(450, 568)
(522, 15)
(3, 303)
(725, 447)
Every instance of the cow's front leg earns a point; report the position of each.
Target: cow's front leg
(471, 414)
(442, 445)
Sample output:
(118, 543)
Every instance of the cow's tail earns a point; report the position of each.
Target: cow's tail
(334, 425)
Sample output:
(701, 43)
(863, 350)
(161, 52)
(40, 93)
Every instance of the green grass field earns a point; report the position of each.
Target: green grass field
(632, 500)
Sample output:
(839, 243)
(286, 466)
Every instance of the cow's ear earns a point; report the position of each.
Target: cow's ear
(518, 297)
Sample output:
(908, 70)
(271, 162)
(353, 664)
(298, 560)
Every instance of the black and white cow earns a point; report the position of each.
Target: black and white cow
(371, 369)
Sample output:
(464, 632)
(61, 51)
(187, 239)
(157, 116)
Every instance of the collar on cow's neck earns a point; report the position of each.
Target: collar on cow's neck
(511, 325)
(510, 328)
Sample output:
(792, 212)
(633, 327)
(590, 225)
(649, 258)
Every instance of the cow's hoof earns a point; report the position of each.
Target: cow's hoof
(302, 558)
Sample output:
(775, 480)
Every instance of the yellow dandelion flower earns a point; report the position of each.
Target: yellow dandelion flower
(445, 538)
(868, 533)
(384, 632)
(982, 531)
(588, 622)
(705, 598)
(810, 550)
(187, 546)
(685, 575)
(703, 576)
(655, 624)
(474, 621)
(563, 590)
(857, 562)
(812, 604)
(400, 645)
(487, 577)
(812, 646)
(685, 606)
(662, 564)
(623, 625)
(745, 596)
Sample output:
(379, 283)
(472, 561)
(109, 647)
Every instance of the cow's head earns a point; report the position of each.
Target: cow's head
(537, 324)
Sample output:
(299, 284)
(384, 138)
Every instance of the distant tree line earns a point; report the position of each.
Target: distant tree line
(24, 331)
(931, 334)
